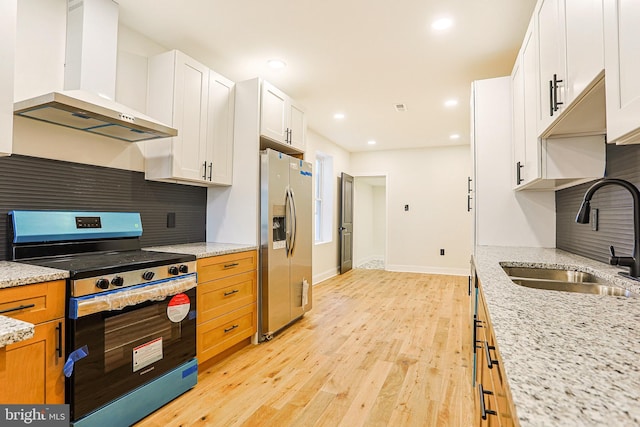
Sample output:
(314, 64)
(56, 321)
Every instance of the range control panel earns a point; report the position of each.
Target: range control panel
(110, 282)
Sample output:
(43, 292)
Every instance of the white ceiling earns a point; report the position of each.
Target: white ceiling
(358, 57)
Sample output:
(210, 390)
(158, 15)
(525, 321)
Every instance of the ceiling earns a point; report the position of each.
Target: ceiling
(356, 57)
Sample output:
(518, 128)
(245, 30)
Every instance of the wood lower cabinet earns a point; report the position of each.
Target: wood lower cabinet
(227, 302)
(32, 369)
(493, 402)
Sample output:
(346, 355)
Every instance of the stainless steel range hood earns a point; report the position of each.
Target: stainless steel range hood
(90, 73)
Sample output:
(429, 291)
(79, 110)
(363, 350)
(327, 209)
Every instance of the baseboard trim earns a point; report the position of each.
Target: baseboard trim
(317, 278)
(449, 271)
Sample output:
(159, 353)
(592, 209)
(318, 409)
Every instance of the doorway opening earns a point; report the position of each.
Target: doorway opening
(370, 222)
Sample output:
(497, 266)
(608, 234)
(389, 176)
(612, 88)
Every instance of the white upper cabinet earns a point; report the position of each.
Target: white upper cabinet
(524, 83)
(199, 103)
(622, 60)
(8, 10)
(541, 163)
(570, 67)
(282, 120)
(220, 129)
(551, 62)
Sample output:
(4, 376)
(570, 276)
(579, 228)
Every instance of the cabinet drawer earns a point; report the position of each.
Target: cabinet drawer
(217, 267)
(218, 297)
(35, 303)
(219, 334)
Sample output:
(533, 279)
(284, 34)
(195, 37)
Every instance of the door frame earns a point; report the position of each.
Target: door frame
(384, 175)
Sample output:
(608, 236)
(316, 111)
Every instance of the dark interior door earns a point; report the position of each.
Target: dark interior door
(346, 223)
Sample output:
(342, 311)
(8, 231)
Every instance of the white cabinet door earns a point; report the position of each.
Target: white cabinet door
(220, 129)
(531, 170)
(584, 44)
(551, 62)
(518, 106)
(190, 118)
(7, 53)
(297, 126)
(273, 113)
(622, 77)
(177, 94)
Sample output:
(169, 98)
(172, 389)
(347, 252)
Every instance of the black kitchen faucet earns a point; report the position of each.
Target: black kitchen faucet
(633, 262)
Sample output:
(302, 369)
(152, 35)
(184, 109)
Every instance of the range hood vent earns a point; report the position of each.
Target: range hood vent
(90, 70)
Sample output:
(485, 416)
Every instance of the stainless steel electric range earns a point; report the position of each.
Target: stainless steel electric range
(131, 313)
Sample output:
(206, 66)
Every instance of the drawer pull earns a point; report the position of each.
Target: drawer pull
(490, 361)
(18, 308)
(483, 410)
(233, 264)
(235, 291)
(231, 328)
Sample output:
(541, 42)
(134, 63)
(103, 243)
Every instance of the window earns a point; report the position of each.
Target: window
(323, 198)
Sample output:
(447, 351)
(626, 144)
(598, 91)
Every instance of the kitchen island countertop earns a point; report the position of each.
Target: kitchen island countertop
(205, 249)
(570, 358)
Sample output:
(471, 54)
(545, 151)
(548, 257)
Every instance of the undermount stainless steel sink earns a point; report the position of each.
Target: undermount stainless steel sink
(563, 280)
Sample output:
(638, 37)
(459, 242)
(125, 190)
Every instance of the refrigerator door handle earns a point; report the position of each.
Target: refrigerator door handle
(288, 221)
(294, 231)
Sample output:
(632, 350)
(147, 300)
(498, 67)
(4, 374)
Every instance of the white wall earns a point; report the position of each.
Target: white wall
(379, 221)
(433, 182)
(325, 255)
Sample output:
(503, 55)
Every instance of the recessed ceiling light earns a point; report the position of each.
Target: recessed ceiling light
(442, 24)
(454, 136)
(338, 116)
(450, 102)
(276, 64)
(371, 142)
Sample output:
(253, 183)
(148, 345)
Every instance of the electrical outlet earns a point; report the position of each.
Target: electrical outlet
(171, 220)
(442, 252)
(594, 219)
(406, 207)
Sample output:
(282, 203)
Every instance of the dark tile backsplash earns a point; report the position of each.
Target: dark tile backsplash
(34, 183)
(614, 204)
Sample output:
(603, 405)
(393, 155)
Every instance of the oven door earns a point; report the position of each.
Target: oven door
(128, 347)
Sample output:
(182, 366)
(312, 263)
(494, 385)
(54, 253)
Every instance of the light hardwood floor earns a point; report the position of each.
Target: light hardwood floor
(378, 349)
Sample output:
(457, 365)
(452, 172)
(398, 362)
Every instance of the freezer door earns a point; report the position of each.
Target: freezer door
(300, 182)
(275, 226)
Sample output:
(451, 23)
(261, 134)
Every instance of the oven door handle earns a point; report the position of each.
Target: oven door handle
(124, 297)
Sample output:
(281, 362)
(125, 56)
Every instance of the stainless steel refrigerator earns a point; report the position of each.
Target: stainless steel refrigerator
(286, 239)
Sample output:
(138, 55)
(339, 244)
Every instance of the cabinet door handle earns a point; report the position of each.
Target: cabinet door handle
(469, 180)
(235, 291)
(18, 308)
(59, 343)
(483, 408)
(487, 349)
(551, 98)
(476, 324)
(469, 198)
(231, 328)
(555, 93)
(204, 170)
(210, 170)
(519, 178)
(233, 264)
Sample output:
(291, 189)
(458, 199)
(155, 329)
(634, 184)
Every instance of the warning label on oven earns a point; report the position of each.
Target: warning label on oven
(178, 308)
(146, 354)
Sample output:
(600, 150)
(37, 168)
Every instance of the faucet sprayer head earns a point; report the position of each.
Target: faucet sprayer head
(583, 213)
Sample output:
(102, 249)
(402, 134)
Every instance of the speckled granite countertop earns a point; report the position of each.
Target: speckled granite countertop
(205, 249)
(571, 359)
(13, 330)
(16, 274)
